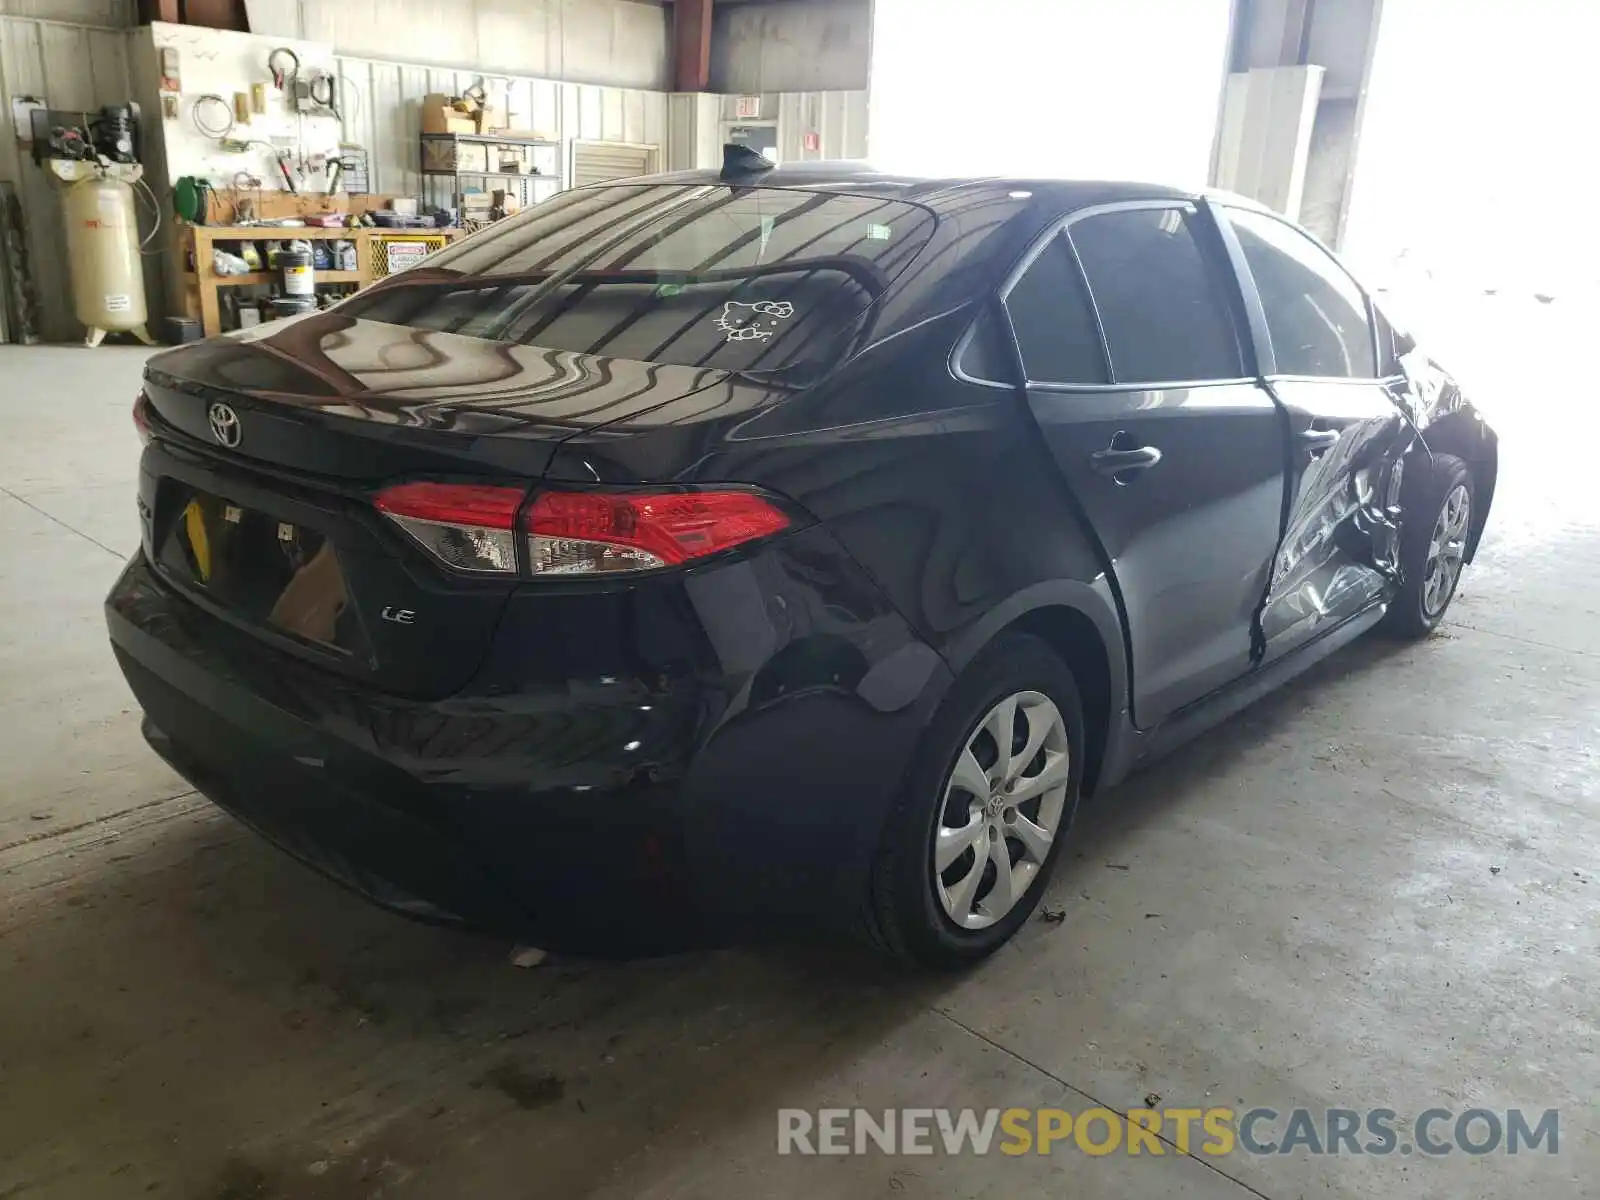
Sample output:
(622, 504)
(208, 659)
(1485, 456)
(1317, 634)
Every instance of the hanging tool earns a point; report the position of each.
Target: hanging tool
(288, 179)
(279, 73)
(324, 91)
(335, 170)
(212, 116)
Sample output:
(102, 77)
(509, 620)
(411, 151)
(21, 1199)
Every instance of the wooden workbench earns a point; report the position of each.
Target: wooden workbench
(202, 285)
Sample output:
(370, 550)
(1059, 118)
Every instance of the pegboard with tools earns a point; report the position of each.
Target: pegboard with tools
(236, 104)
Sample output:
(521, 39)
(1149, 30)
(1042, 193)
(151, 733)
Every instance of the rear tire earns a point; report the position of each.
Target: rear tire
(939, 896)
(1432, 548)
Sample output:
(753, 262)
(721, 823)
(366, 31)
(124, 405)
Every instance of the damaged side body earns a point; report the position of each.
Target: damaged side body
(1345, 504)
(1341, 538)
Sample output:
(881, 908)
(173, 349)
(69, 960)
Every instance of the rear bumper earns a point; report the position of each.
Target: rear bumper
(736, 775)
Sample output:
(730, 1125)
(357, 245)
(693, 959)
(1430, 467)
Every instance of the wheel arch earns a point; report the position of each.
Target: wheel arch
(1079, 622)
(1464, 434)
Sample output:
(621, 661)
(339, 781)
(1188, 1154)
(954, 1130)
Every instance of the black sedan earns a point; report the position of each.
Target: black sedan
(715, 553)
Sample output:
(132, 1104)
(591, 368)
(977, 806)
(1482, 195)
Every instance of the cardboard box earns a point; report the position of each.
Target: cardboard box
(439, 115)
(454, 156)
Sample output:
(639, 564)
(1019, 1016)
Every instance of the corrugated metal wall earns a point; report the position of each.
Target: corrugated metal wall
(618, 43)
(693, 130)
(66, 66)
(839, 119)
(382, 111)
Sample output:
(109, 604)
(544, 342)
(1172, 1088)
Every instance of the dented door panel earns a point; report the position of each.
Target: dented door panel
(1337, 556)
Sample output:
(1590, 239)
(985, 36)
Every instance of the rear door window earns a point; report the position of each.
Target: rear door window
(1054, 323)
(1162, 305)
(732, 278)
(1316, 313)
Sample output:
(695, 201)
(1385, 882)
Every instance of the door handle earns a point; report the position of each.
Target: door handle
(1317, 441)
(1119, 459)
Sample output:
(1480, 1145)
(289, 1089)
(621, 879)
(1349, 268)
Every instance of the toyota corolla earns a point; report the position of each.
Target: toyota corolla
(693, 557)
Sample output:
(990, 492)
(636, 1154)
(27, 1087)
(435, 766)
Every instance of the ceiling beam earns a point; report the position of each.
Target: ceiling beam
(691, 45)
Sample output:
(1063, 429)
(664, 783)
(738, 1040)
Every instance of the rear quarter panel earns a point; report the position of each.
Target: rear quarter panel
(941, 489)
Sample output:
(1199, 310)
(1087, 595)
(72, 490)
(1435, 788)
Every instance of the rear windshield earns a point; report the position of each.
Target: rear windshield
(734, 278)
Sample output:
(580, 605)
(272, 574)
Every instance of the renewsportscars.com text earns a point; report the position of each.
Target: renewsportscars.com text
(1214, 1132)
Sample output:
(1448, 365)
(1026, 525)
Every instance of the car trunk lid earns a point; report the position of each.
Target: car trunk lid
(364, 401)
(269, 456)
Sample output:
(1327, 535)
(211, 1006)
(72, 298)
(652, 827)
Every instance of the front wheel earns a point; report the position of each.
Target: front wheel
(1433, 550)
(969, 846)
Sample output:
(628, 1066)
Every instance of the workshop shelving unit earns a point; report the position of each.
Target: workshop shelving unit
(541, 181)
(203, 286)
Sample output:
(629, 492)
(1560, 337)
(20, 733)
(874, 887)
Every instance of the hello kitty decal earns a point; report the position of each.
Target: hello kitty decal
(747, 322)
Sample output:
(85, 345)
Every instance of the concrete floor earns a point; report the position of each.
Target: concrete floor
(1374, 889)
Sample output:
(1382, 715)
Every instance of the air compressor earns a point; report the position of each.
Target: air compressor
(103, 247)
(96, 162)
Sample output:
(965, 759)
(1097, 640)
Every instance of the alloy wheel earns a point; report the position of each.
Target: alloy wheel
(1447, 550)
(1002, 810)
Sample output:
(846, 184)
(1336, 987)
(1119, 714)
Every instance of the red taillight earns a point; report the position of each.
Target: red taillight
(454, 504)
(141, 416)
(474, 528)
(464, 526)
(595, 533)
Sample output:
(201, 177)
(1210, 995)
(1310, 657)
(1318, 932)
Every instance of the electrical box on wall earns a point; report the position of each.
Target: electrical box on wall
(22, 108)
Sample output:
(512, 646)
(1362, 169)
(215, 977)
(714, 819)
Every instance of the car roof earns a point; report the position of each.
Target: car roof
(942, 192)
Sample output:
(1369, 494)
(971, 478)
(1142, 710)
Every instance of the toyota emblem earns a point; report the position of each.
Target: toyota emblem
(224, 425)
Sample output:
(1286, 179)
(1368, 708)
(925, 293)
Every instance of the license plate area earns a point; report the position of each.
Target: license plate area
(261, 568)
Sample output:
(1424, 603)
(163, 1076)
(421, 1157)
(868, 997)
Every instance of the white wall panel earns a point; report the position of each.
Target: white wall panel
(693, 137)
(591, 112)
(620, 43)
(382, 110)
(839, 119)
(611, 121)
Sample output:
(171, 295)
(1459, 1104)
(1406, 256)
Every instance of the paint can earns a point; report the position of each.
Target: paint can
(299, 277)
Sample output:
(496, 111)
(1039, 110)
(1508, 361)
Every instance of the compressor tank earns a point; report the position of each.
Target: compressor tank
(103, 246)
